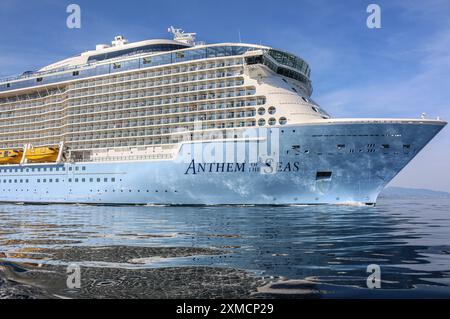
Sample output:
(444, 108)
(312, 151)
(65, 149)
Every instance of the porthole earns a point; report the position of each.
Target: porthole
(272, 110)
(261, 122)
(305, 99)
(272, 121)
(261, 111)
(315, 109)
(282, 120)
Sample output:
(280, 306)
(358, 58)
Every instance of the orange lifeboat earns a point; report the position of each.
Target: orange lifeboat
(11, 156)
(42, 154)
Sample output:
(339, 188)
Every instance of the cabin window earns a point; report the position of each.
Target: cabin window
(76, 73)
(385, 146)
(282, 120)
(8, 85)
(305, 99)
(116, 66)
(272, 121)
(340, 146)
(261, 111)
(39, 79)
(261, 122)
(146, 60)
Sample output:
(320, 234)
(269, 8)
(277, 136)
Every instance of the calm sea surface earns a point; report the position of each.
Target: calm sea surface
(331, 246)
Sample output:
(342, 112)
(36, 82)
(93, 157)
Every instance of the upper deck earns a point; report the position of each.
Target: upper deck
(124, 56)
(120, 48)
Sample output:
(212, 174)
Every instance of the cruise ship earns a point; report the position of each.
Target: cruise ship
(180, 122)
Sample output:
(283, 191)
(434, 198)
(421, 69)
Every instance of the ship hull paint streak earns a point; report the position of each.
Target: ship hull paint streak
(360, 168)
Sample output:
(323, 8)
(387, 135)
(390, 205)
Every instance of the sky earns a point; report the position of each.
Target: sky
(399, 70)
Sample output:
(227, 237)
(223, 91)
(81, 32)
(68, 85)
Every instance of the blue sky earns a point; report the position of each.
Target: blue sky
(400, 70)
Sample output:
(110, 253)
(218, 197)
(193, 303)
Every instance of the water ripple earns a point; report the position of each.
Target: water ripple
(334, 245)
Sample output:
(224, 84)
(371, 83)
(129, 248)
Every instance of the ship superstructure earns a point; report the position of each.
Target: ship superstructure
(124, 124)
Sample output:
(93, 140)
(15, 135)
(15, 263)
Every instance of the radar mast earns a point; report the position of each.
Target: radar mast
(180, 36)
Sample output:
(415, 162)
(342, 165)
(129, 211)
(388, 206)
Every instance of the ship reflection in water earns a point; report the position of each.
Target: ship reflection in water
(227, 251)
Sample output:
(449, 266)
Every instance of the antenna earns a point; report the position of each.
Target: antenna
(239, 33)
(180, 36)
